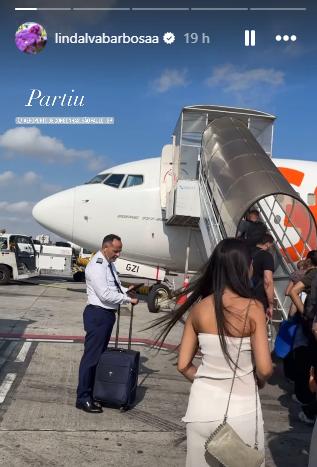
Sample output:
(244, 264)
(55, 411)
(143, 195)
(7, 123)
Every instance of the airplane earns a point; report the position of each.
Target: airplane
(126, 200)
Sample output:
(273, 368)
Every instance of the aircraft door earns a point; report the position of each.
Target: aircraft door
(24, 252)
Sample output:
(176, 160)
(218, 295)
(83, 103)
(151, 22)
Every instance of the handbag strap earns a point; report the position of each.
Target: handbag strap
(256, 444)
(236, 364)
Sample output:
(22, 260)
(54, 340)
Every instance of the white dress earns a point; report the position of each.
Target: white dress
(209, 397)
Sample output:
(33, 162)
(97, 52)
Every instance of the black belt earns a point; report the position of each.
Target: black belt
(103, 308)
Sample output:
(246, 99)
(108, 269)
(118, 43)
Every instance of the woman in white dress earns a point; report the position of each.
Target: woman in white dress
(223, 312)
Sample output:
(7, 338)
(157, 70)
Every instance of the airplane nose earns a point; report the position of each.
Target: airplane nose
(56, 213)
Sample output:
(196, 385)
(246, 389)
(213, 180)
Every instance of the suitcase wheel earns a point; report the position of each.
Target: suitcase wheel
(124, 408)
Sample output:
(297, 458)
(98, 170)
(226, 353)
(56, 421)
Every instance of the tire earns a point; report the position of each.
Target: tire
(79, 276)
(4, 275)
(158, 293)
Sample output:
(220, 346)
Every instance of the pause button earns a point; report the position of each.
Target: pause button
(249, 37)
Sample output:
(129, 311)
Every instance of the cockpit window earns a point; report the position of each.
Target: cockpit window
(98, 179)
(114, 180)
(133, 180)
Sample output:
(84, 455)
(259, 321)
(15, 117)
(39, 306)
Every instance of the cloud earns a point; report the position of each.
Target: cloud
(18, 207)
(6, 177)
(13, 224)
(15, 219)
(51, 187)
(233, 79)
(170, 79)
(29, 141)
(30, 177)
(254, 87)
(18, 197)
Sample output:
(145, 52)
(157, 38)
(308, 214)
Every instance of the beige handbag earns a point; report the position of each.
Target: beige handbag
(225, 445)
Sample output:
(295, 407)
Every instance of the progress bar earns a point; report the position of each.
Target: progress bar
(157, 9)
(41, 9)
(160, 9)
(278, 9)
(219, 9)
(98, 9)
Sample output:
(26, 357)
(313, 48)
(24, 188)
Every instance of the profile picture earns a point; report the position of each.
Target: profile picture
(30, 38)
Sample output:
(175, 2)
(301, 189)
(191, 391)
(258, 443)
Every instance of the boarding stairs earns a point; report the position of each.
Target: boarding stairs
(221, 167)
(213, 231)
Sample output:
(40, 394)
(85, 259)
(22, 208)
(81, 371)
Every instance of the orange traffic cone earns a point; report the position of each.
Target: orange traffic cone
(182, 299)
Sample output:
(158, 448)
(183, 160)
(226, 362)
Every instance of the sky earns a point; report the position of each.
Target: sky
(144, 87)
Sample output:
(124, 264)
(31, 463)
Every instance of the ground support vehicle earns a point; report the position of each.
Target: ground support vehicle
(17, 258)
(55, 260)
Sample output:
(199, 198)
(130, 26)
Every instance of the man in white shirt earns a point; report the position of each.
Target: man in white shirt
(105, 294)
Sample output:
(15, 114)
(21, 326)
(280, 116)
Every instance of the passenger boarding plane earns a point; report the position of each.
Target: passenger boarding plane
(156, 205)
(126, 200)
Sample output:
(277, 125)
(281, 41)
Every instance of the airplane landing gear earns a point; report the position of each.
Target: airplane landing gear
(158, 297)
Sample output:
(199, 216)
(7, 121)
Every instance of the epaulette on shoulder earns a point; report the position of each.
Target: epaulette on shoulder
(99, 261)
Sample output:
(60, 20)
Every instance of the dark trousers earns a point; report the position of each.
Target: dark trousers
(303, 361)
(98, 324)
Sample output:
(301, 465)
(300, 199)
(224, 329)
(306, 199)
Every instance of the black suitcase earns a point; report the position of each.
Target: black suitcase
(117, 373)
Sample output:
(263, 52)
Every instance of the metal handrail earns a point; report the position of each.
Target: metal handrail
(293, 225)
(277, 239)
(208, 204)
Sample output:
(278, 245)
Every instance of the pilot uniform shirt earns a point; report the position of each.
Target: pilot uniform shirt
(101, 287)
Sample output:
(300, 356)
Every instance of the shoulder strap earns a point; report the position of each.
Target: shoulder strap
(236, 364)
(255, 384)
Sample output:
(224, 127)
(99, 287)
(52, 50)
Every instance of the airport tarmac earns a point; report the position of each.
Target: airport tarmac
(40, 348)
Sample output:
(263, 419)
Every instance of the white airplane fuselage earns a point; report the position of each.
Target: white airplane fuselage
(86, 213)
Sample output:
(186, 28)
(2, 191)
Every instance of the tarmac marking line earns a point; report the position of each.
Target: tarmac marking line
(60, 341)
(6, 385)
(23, 352)
(61, 338)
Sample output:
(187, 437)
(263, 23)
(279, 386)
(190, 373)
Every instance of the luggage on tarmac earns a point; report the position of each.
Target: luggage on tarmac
(117, 373)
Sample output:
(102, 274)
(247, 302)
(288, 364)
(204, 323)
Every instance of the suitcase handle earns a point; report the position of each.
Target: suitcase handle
(130, 327)
(117, 329)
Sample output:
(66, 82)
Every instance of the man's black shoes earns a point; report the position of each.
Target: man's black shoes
(89, 407)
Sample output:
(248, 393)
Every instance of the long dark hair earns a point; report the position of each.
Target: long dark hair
(227, 267)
